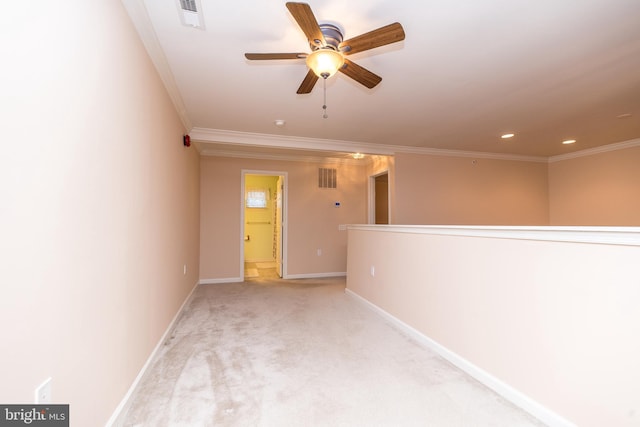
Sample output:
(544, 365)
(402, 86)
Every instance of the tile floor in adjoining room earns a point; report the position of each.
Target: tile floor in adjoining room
(260, 270)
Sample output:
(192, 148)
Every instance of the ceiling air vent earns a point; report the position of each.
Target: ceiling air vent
(327, 178)
(191, 13)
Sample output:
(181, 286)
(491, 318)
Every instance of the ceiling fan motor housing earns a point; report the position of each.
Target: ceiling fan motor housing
(332, 35)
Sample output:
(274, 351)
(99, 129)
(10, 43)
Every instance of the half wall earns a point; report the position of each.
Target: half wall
(547, 316)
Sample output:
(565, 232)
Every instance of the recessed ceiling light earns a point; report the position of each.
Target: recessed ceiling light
(279, 122)
(507, 135)
(568, 141)
(357, 156)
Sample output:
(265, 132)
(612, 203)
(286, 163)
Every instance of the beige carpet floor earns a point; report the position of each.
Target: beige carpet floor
(270, 352)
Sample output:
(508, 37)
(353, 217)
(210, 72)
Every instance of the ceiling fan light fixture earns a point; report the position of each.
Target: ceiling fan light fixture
(325, 62)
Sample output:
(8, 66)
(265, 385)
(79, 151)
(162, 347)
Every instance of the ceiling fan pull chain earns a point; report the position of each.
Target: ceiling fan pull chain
(324, 106)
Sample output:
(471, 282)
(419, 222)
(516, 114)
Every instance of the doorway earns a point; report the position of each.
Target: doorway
(379, 198)
(263, 248)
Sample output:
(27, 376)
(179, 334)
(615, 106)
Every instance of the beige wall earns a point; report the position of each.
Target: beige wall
(98, 206)
(312, 223)
(599, 189)
(557, 321)
(457, 190)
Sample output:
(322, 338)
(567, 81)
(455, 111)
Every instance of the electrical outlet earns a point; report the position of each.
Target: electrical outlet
(319, 252)
(184, 269)
(43, 392)
(373, 271)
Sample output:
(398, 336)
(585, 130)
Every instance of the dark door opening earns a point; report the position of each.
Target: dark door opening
(381, 198)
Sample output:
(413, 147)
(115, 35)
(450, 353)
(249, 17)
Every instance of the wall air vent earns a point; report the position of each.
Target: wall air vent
(191, 13)
(327, 178)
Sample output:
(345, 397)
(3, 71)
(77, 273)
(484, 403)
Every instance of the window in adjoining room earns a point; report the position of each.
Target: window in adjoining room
(257, 198)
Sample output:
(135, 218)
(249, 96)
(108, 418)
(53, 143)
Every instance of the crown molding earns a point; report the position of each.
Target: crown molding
(473, 154)
(141, 21)
(204, 151)
(205, 135)
(597, 150)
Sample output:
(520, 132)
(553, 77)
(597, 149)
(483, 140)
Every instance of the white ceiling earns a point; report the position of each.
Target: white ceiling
(467, 72)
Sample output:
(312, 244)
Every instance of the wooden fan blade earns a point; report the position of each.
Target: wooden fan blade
(308, 83)
(265, 56)
(303, 15)
(360, 74)
(382, 36)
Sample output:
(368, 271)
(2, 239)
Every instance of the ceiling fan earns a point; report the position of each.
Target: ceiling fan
(329, 51)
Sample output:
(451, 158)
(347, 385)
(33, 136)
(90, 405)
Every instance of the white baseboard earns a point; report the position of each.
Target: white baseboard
(218, 281)
(315, 275)
(511, 394)
(117, 418)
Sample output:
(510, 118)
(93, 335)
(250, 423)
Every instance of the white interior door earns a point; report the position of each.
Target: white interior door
(279, 225)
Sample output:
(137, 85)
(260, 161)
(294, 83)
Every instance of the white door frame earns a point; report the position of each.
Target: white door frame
(372, 197)
(285, 217)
